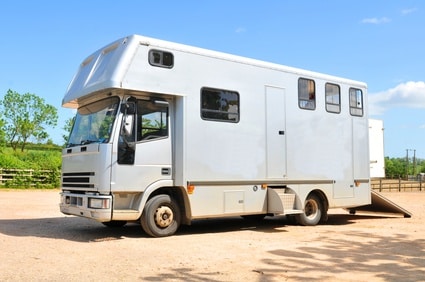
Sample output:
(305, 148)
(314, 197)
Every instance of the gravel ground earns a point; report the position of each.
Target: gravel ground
(38, 243)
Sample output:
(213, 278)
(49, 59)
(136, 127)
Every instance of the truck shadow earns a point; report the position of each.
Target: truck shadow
(84, 230)
(267, 225)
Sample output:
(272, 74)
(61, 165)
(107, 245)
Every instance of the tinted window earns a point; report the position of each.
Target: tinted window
(219, 105)
(161, 58)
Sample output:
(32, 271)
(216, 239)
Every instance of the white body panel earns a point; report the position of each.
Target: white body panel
(275, 144)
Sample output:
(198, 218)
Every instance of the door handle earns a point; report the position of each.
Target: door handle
(165, 171)
(281, 132)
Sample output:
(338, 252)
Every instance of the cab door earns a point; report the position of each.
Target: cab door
(144, 153)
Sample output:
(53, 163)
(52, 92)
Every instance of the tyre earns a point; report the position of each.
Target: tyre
(161, 216)
(115, 223)
(313, 210)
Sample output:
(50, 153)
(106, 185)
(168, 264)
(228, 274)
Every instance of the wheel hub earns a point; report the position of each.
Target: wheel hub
(311, 208)
(163, 216)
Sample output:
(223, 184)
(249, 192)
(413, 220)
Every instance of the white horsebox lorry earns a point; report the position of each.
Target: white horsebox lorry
(167, 133)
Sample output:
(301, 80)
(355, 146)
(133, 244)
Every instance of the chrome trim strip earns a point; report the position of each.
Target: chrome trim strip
(268, 182)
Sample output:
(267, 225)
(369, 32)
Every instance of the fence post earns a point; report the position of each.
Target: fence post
(380, 184)
(399, 184)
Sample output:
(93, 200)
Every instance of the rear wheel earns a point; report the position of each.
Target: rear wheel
(313, 211)
(161, 216)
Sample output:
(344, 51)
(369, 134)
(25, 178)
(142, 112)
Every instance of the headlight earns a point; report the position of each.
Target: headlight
(95, 203)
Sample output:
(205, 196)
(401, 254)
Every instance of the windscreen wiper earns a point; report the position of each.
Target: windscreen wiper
(85, 142)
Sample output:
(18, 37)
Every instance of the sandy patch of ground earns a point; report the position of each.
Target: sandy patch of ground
(38, 243)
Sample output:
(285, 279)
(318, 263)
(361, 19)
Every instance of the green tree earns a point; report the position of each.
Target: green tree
(69, 123)
(26, 117)
(2, 133)
(395, 167)
(398, 167)
(421, 166)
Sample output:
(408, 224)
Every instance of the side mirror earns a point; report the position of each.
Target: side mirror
(127, 125)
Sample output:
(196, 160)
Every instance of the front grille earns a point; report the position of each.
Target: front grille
(77, 180)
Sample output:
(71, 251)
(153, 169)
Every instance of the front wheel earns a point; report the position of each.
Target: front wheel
(313, 210)
(161, 216)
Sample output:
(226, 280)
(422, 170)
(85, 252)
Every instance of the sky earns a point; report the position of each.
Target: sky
(381, 43)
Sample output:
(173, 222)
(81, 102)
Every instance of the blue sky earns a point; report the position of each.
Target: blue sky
(379, 42)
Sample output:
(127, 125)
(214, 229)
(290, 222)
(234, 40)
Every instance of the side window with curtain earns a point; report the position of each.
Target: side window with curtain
(306, 94)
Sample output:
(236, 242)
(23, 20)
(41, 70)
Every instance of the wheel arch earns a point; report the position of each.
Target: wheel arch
(177, 193)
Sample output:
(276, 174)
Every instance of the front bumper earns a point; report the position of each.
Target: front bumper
(97, 207)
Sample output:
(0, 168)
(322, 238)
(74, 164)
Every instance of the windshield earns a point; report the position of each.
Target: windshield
(93, 122)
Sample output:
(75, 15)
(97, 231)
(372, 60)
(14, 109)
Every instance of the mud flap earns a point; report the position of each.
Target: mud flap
(380, 204)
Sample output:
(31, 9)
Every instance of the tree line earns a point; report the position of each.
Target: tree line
(404, 168)
(24, 119)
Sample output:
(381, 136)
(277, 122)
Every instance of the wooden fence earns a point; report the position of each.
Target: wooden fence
(29, 178)
(397, 185)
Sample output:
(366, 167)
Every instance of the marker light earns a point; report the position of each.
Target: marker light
(190, 189)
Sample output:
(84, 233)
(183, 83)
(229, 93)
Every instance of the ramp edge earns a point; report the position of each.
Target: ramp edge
(381, 204)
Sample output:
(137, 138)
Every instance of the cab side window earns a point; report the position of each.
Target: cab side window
(152, 120)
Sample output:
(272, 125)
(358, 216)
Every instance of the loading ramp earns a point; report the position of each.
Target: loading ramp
(380, 204)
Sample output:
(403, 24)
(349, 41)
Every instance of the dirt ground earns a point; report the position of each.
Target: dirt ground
(38, 243)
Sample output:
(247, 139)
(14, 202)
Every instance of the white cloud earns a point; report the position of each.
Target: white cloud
(376, 20)
(408, 11)
(410, 94)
